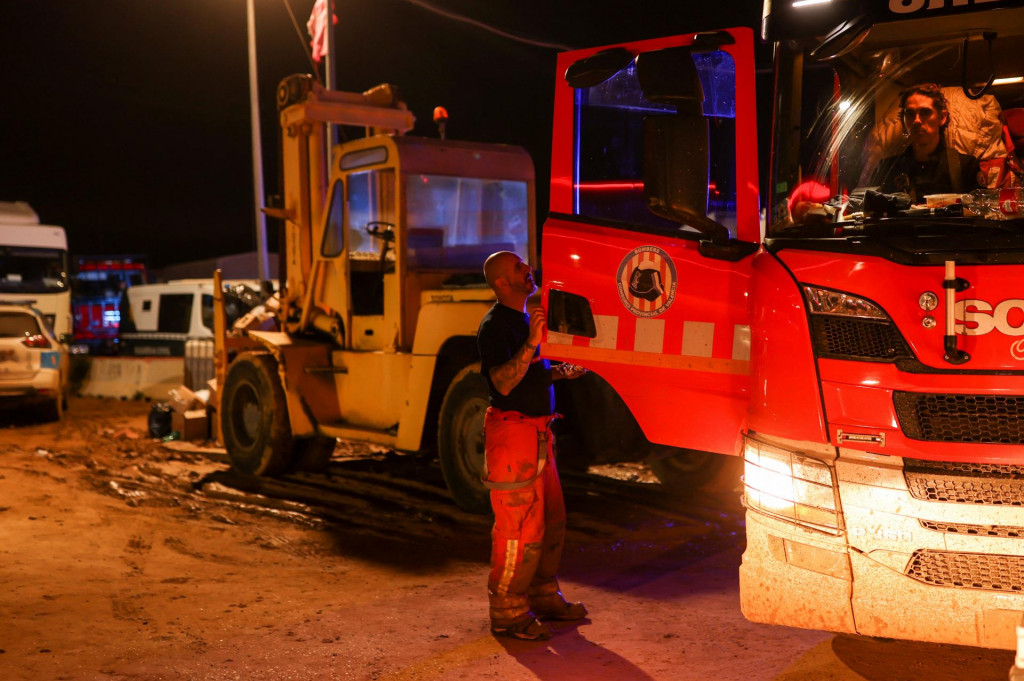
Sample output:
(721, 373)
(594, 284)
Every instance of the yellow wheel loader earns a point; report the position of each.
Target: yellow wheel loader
(372, 333)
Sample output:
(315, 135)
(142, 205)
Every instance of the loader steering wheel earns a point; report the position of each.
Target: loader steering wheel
(381, 230)
(385, 231)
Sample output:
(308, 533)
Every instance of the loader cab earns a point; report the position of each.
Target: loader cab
(408, 215)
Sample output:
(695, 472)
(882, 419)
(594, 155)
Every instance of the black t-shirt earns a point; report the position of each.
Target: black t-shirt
(502, 333)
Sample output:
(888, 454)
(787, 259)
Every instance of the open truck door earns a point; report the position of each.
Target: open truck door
(654, 220)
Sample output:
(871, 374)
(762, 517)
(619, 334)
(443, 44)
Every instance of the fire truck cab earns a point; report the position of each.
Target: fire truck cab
(859, 342)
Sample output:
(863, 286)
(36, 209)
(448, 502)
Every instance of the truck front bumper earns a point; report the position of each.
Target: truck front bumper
(902, 567)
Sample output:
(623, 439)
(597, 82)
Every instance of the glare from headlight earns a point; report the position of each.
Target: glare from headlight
(790, 486)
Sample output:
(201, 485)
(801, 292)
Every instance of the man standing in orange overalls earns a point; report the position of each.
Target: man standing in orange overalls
(526, 495)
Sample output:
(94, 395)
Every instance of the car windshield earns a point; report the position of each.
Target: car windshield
(17, 325)
(902, 127)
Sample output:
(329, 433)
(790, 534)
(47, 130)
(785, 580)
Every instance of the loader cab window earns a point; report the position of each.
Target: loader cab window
(609, 173)
(456, 222)
(370, 201)
(334, 230)
(369, 207)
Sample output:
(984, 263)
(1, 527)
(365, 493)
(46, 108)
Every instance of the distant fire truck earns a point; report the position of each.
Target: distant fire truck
(862, 349)
(97, 295)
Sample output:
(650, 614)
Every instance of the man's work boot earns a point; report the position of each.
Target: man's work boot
(555, 607)
(525, 627)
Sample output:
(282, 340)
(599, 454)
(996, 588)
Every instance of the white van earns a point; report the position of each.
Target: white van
(161, 318)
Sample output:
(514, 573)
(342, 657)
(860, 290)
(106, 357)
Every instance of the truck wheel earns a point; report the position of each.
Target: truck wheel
(460, 439)
(254, 418)
(312, 454)
(687, 470)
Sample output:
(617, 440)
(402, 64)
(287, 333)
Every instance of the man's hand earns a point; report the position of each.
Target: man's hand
(538, 322)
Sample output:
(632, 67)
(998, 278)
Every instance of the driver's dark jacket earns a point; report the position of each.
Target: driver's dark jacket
(903, 173)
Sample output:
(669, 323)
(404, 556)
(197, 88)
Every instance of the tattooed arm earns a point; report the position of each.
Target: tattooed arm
(506, 376)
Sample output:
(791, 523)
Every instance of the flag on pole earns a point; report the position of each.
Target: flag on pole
(317, 27)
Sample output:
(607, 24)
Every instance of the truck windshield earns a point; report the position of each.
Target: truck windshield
(899, 131)
(32, 270)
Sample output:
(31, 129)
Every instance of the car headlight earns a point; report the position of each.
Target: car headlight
(791, 486)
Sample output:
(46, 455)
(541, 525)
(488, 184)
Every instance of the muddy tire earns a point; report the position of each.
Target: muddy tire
(312, 454)
(254, 417)
(688, 470)
(460, 439)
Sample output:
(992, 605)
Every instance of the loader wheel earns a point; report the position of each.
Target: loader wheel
(687, 470)
(460, 439)
(254, 418)
(312, 454)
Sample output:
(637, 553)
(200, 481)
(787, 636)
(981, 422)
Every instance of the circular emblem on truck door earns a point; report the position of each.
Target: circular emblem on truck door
(647, 281)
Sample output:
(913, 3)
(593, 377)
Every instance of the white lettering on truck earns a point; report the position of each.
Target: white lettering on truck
(977, 317)
(908, 6)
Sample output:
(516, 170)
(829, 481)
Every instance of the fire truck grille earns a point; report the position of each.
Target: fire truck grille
(1008, 531)
(968, 570)
(993, 419)
(965, 483)
(858, 339)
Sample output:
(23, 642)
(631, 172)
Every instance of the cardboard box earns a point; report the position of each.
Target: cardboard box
(193, 424)
(182, 399)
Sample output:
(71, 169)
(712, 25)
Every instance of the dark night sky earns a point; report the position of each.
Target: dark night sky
(127, 121)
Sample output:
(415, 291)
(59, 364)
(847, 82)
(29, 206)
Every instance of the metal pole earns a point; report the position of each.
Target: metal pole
(257, 154)
(329, 72)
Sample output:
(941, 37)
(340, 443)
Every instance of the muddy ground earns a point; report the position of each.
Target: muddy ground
(124, 558)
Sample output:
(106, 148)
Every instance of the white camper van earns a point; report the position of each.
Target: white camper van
(34, 265)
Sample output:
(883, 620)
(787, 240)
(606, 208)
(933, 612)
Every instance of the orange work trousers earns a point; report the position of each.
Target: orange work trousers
(529, 511)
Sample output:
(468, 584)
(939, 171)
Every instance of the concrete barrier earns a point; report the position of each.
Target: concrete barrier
(131, 377)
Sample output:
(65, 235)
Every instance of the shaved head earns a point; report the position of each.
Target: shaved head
(499, 265)
(510, 278)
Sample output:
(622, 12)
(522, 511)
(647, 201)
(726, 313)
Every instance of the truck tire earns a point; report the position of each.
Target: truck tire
(460, 439)
(687, 470)
(254, 417)
(312, 454)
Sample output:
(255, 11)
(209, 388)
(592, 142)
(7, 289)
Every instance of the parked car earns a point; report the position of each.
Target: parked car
(33, 363)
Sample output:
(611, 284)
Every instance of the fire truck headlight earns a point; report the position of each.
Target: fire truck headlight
(789, 485)
(826, 301)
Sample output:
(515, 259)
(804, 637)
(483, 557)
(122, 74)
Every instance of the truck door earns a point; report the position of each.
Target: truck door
(654, 221)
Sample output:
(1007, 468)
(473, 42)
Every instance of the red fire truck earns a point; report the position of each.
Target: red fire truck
(98, 289)
(860, 343)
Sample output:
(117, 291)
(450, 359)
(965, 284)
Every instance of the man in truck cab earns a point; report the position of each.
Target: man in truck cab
(928, 166)
(520, 471)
